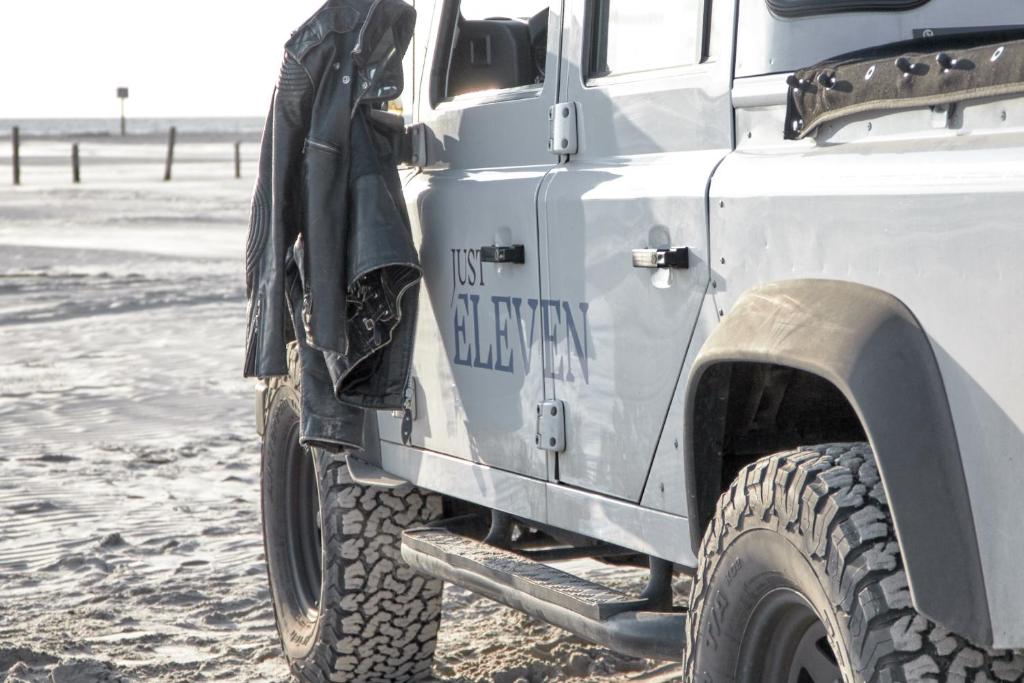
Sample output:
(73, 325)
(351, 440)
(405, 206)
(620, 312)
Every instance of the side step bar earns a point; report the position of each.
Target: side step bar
(593, 612)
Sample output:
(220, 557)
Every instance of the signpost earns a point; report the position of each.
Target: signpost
(122, 94)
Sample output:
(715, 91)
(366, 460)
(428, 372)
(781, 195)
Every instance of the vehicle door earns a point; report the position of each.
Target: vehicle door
(490, 71)
(650, 90)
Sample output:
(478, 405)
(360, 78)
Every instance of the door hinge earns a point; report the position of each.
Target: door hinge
(408, 412)
(550, 426)
(562, 130)
(413, 150)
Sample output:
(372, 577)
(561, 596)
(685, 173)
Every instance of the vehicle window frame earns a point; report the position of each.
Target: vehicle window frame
(590, 27)
(796, 9)
(441, 64)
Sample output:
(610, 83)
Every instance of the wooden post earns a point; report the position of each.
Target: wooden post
(16, 141)
(170, 153)
(76, 176)
(238, 159)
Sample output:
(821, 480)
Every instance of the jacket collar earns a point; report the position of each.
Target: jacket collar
(382, 42)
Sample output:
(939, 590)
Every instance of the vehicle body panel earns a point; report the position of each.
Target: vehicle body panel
(613, 521)
(478, 357)
(867, 344)
(667, 484)
(648, 144)
(932, 216)
(768, 44)
(922, 204)
(639, 180)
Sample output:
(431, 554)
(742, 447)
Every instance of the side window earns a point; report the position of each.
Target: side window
(406, 103)
(627, 36)
(489, 45)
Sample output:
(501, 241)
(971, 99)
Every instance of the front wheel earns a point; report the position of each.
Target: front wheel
(347, 606)
(800, 580)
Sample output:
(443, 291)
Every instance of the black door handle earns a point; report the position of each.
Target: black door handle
(676, 257)
(513, 253)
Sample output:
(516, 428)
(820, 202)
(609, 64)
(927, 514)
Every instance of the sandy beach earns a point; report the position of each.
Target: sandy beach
(130, 545)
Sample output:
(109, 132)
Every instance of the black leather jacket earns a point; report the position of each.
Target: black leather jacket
(329, 235)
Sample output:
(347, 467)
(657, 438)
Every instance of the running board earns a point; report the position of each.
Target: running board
(593, 612)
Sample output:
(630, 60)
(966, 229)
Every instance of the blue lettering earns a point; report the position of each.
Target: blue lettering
(455, 265)
(489, 365)
(462, 278)
(501, 334)
(573, 341)
(472, 268)
(525, 345)
(460, 332)
(549, 332)
(498, 353)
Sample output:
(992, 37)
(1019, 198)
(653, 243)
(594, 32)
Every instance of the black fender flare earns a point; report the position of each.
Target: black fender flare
(872, 348)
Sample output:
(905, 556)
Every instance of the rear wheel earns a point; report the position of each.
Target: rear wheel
(800, 580)
(347, 607)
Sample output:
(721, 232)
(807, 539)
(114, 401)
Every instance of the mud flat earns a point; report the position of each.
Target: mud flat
(130, 544)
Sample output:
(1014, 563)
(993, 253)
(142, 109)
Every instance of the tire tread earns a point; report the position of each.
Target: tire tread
(380, 623)
(379, 619)
(830, 499)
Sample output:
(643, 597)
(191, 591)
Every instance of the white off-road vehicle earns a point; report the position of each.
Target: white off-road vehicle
(699, 295)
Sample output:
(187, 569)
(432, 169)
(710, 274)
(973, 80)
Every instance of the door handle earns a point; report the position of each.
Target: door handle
(513, 253)
(673, 257)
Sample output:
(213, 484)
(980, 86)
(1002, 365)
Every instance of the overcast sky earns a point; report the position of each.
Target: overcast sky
(66, 58)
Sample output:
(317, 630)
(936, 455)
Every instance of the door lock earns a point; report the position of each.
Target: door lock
(514, 253)
(674, 257)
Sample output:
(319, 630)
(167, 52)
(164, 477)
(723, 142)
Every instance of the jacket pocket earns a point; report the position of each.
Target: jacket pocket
(323, 146)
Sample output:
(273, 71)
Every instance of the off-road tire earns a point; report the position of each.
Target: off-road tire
(815, 522)
(372, 618)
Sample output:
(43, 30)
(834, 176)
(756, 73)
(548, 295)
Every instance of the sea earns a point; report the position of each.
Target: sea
(243, 127)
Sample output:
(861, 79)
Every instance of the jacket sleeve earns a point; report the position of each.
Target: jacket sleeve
(276, 219)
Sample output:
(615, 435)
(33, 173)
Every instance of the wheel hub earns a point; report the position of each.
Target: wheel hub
(785, 641)
(303, 525)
